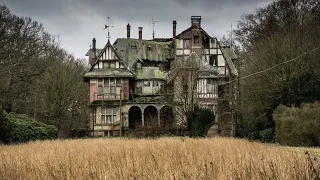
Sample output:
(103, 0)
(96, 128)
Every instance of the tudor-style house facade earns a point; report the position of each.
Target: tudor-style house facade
(148, 84)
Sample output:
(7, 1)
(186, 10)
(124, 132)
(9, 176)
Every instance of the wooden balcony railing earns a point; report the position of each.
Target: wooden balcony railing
(108, 96)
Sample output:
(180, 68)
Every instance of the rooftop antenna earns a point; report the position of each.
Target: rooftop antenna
(153, 22)
(231, 36)
(107, 26)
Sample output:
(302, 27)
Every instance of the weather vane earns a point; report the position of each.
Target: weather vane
(107, 26)
(153, 22)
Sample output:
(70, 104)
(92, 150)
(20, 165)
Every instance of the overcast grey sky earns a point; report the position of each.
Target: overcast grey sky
(78, 21)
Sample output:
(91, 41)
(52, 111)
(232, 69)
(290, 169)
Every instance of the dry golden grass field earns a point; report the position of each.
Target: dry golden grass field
(163, 158)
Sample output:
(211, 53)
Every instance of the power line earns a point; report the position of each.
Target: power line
(268, 69)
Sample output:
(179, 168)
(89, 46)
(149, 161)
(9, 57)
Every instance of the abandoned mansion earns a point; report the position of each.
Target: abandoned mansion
(139, 84)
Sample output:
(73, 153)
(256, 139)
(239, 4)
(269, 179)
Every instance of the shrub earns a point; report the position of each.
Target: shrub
(21, 128)
(298, 126)
(4, 124)
(199, 121)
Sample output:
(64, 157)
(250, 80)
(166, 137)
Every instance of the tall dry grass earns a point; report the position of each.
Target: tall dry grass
(164, 158)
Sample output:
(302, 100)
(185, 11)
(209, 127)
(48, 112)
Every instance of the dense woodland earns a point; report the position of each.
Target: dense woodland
(39, 78)
(278, 47)
(282, 41)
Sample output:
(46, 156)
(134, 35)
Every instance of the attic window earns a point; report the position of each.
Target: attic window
(149, 48)
(133, 46)
(196, 34)
(138, 65)
(213, 61)
(213, 41)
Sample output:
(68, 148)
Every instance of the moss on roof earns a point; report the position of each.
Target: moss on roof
(132, 50)
(108, 73)
(229, 55)
(151, 73)
(90, 52)
(208, 71)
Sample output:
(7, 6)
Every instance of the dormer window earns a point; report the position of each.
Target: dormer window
(213, 41)
(213, 61)
(149, 48)
(133, 46)
(138, 65)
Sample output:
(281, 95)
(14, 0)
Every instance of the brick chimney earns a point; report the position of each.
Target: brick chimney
(174, 28)
(140, 33)
(196, 20)
(128, 30)
(94, 50)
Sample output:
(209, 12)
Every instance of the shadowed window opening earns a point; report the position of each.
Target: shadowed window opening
(135, 117)
(150, 117)
(166, 117)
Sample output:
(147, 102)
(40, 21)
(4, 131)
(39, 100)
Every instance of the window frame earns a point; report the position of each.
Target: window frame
(213, 60)
(107, 88)
(104, 114)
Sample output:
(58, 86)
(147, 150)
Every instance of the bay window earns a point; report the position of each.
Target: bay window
(207, 88)
(109, 88)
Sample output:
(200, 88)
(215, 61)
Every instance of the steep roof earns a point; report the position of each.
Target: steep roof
(132, 50)
(108, 72)
(96, 73)
(229, 55)
(199, 27)
(90, 52)
(208, 71)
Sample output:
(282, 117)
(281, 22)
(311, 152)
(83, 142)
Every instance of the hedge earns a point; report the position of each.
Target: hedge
(18, 128)
(298, 126)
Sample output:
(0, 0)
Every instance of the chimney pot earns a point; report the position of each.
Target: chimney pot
(140, 33)
(94, 50)
(174, 28)
(196, 20)
(128, 30)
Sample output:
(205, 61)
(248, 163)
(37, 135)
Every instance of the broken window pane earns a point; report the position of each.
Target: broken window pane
(146, 83)
(139, 84)
(112, 81)
(155, 83)
(213, 60)
(118, 80)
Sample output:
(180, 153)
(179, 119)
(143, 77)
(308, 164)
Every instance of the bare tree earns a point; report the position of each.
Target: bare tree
(38, 78)
(185, 88)
(270, 37)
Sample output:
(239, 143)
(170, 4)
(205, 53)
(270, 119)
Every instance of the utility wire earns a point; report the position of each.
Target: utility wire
(285, 62)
